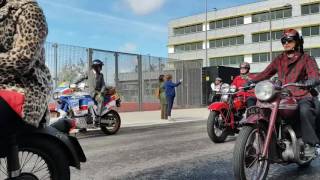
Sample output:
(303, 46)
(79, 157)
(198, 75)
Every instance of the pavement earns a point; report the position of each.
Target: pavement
(176, 151)
(152, 118)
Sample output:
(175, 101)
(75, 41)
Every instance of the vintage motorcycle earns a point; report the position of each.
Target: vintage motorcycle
(46, 152)
(226, 114)
(268, 135)
(80, 105)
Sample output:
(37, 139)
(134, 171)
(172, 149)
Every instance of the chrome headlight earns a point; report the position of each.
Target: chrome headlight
(233, 88)
(225, 88)
(55, 95)
(265, 90)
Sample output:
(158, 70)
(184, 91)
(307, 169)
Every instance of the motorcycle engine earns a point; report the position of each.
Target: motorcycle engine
(288, 153)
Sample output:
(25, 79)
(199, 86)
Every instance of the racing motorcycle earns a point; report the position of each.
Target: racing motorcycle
(46, 152)
(226, 114)
(268, 135)
(80, 105)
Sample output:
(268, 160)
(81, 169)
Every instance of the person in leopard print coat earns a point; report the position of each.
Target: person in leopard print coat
(25, 81)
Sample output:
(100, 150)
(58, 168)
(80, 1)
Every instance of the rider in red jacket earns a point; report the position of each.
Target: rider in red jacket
(242, 79)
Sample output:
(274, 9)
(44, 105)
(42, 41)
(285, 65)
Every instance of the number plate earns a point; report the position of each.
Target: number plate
(253, 110)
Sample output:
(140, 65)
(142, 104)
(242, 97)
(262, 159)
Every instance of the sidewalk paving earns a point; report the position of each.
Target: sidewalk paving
(145, 118)
(151, 118)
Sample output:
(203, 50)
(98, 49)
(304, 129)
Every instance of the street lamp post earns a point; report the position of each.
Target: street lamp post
(206, 29)
(270, 34)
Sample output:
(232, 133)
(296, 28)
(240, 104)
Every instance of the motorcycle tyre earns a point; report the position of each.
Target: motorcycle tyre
(52, 153)
(118, 122)
(210, 129)
(239, 155)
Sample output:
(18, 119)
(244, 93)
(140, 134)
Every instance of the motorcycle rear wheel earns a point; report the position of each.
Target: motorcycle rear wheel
(112, 128)
(40, 159)
(247, 153)
(216, 134)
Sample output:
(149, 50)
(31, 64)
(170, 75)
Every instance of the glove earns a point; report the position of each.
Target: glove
(310, 82)
(248, 83)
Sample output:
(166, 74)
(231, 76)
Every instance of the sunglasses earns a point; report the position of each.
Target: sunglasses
(286, 40)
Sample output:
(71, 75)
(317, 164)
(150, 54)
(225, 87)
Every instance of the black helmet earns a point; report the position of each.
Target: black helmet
(97, 62)
(293, 35)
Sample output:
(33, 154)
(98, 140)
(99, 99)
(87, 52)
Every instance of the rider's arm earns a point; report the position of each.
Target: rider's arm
(103, 84)
(31, 34)
(312, 68)
(271, 70)
(82, 78)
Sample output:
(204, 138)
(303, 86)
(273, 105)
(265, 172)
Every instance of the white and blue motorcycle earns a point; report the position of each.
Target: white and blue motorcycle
(79, 105)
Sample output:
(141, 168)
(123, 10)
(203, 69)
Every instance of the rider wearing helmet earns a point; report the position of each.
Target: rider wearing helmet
(96, 80)
(242, 79)
(293, 65)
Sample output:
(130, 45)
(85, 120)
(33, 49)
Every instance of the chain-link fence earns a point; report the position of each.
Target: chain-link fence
(135, 76)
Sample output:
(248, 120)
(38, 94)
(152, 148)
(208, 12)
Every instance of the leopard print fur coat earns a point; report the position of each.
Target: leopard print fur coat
(23, 30)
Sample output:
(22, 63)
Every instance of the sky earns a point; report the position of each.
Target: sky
(135, 26)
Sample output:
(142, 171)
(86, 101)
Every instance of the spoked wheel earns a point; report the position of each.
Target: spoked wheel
(39, 160)
(215, 127)
(110, 123)
(248, 164)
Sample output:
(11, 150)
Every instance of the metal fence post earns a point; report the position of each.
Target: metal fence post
(116, 76)
(55, 57)
(183, 86)
(90, 54)
(140, 82)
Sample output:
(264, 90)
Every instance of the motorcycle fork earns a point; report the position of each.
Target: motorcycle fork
(271, 126)
(229, 112)
(13, 164)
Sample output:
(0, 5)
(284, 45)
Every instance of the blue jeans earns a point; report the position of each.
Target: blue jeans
(170, 100)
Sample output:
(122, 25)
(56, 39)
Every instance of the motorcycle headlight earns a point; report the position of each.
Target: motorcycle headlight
(55, 96)
(265, 91)
(225, 88)
(233, 88)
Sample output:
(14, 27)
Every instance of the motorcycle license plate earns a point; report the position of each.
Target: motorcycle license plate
(253, 110)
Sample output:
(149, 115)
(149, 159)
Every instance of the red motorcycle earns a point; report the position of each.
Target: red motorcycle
(226, 114)
(268, 135)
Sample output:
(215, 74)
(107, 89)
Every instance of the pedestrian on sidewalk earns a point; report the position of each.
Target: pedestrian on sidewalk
(162, 97)
(170, 93)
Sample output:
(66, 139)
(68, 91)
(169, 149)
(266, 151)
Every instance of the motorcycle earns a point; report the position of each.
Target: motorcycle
(80, 105)
(226, 114)
(40, 153)
(268, 135)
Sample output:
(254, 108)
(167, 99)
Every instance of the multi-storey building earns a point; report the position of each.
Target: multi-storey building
(242, 33)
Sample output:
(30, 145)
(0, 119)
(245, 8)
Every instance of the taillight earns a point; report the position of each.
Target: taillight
(82, 108)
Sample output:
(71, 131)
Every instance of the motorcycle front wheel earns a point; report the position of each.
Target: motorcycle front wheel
(216, 132)
(110, 123)
(247, 162)
(39, 159)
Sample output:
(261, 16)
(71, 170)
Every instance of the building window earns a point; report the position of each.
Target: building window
(311, 31)
(188, 47)
(265, 36)
(310, 9)
(278, 14)
(228, 60)
(225, 42)
(229, 22)
(187, 29)
(315, 52)
(264, 57)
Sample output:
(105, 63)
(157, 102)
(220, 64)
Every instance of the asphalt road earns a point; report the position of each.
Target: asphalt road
(174, 151)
